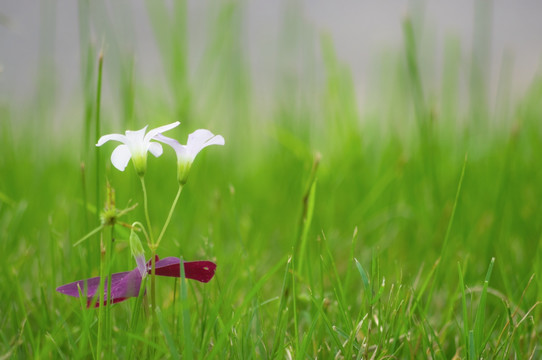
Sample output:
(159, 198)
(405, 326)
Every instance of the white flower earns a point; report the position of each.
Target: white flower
(135, 145)
(187, 153)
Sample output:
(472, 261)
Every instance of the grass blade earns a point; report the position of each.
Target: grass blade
(465, 312)
(185, 311)
(167, 335)
(479, 321)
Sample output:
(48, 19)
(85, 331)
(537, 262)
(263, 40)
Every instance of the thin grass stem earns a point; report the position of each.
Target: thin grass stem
(169, 215)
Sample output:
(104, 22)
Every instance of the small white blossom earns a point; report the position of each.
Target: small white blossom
(135, 145)
(186, 154)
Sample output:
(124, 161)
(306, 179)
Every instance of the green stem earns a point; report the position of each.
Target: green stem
(100, 298)
(153, 275)
(97, 131)
(108, 254)
(153, 319)
(187, 336)
(148, 219)
(166, 224)
(152, 246)
(92, 247)
(139, 225)
(135, 317)
(104, 319)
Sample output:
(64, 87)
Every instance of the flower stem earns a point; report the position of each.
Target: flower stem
(153, 277)
(170, 214)
(104, 315)
(100, 299)
(135, 317)
(108, 256)
(146, 206)
(139, 225)
(154, 334)
(152, 246)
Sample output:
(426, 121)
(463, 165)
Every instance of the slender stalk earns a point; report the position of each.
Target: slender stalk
(135, 317)
(169, 215)
(153, 319)
(84, 194)
(153, 277)
(101, 295)
(139, 225)
(108, 254)
(84, 264)
(187, 335)
(147, 218)
(294, 301)
(98, 175)
(97, 130)
(152, 246)
(104, 319)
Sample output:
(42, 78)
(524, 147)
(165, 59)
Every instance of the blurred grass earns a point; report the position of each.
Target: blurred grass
(375, 281)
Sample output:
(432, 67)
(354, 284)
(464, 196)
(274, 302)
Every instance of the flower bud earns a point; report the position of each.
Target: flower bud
(183, 168)
(138, 253)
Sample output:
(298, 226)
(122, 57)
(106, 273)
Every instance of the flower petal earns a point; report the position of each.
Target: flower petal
(152, 133)
(123, 285)
(199, 136)
(167, 140)
(121, 156)
(202, 138)
(137, 136)
(116, 137)
(155, 149)
(180, 150)
(128, 284)
(202, 271)
(88, 287)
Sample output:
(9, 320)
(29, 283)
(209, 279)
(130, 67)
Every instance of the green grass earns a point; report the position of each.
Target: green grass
(408, 229)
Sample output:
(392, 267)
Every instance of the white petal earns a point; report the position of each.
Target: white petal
(152, 133)
(106, 138)
(167, 140)
(155, 149)
(136, 137)
(199, 136)
(216, 140)
(120, 157)
(202, 138)
(180, 150)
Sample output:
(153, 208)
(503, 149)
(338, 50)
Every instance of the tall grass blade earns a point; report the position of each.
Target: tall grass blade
(280, 321)
(167, 335)
(479, 321)
(465, 328)
(185, 311)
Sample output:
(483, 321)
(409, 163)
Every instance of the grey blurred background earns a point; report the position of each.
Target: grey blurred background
(361, 31)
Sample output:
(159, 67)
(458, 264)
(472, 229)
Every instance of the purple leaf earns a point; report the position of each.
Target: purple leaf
(127, 284)
(202, 271)
(123, 285)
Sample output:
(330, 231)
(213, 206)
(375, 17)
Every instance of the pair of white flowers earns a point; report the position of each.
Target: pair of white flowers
(135, 145)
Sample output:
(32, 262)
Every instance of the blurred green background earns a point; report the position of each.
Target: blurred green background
(392, 102)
